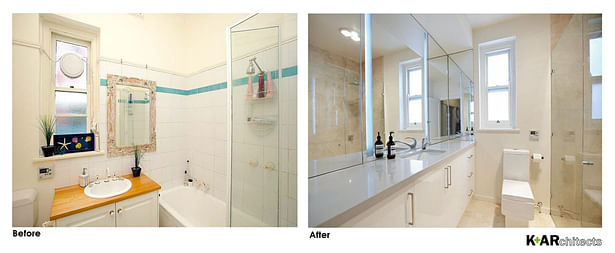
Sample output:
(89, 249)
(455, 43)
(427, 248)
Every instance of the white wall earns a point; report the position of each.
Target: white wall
(533, 107)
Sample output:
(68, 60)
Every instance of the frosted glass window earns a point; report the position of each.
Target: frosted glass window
(597, 101)
(71, 102)
(64, 81)
(497, 104)
(415, 112)
(71, 125)
(415, 82)
(498, 69)
(595, 56)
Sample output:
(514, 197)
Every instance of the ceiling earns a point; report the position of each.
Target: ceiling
(323, 32)
(482, 20)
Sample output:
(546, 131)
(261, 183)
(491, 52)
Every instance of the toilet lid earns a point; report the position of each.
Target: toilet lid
(517, 191)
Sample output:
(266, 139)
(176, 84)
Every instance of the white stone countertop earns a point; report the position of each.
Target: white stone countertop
(336, 192)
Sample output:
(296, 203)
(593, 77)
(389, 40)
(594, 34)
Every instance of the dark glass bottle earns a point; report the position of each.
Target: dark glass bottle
(391, 147)
(379, 147)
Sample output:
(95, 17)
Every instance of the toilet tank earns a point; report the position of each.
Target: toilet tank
(516, 164)
(24, 208)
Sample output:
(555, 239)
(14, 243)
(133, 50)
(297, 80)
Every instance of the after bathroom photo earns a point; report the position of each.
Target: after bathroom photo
(455, 120)
(154, 120)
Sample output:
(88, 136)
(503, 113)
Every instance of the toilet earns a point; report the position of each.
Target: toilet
(517, 197)
(24, 208)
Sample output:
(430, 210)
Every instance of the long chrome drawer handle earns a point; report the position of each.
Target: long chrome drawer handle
(587, 163)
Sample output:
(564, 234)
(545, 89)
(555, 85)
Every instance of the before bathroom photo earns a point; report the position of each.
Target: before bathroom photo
(309, 126)
(141, 123)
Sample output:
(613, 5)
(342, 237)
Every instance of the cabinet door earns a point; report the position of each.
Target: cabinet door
(430, 206)
(140, 211)
(103, 216)
(389, 212)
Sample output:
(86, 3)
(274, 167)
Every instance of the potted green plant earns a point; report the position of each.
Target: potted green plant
(47, 127)
(136, 170)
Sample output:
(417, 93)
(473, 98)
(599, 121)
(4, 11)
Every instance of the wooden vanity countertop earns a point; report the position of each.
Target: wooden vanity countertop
(70, 200)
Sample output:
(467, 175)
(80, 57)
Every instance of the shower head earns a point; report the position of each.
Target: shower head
(250, 70)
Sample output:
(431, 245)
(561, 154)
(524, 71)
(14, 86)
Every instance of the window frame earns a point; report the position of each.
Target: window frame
(594, 79)
(405, 69)
(54, 27)
(491, 48)
(89, 114)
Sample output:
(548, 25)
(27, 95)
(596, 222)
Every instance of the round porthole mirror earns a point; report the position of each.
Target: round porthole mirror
(71, 65)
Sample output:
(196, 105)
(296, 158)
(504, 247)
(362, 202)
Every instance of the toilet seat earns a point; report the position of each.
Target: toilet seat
(517, 191)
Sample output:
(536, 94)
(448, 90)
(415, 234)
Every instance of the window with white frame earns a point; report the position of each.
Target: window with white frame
(71, 50)
(412, 117)
(71, 84)
(497, 84)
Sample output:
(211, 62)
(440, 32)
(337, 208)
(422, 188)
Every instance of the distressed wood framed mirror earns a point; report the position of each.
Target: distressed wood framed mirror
(131, 115)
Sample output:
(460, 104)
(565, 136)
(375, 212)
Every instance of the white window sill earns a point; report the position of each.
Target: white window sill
(499, 130)
(67, 156)
(410, 130)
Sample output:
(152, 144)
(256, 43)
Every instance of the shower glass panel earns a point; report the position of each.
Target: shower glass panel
(576, 120)
(334, 92)
(255, 71)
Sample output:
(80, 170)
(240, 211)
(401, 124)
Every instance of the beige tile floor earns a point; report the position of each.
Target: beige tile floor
(481, 213)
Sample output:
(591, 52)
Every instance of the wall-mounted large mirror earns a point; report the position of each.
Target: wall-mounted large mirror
(334, 86)
(451, 95)
(131, 115)
(399, 84)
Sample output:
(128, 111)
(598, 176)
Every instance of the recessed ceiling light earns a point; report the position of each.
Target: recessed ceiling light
(345, 32)
(355, 37)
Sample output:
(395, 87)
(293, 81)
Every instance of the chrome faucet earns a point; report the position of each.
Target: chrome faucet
(413, 145)
(425, 143)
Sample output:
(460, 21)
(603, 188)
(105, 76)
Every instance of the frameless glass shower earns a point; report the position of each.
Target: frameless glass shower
(576, 120)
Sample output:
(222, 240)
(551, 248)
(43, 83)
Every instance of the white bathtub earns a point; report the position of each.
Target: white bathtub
(188, 207)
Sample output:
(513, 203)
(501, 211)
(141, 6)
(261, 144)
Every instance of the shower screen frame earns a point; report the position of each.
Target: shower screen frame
(229, 105)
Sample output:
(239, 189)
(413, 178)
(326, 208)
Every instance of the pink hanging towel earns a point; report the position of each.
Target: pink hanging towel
(250, 88)
(269, 85)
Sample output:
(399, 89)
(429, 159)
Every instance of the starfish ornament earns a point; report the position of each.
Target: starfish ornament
(64, 145)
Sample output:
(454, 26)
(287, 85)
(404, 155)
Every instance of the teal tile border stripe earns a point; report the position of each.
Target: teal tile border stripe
(286, 72)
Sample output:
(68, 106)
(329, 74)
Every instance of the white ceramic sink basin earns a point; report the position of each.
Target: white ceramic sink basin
(107, 189)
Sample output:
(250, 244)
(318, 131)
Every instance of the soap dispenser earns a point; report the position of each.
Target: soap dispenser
(84, 178)
(379, 147)
(391, 147)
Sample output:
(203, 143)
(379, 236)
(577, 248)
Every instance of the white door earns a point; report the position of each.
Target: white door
(429, 199)
(98, 217)
(140, 211)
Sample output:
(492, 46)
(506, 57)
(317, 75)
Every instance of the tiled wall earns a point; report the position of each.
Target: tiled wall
(191, 125)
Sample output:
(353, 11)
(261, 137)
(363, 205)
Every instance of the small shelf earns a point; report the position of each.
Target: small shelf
(67, 156)
(257, 99)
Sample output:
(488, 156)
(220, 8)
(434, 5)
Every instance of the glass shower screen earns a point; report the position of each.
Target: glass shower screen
(254, 103)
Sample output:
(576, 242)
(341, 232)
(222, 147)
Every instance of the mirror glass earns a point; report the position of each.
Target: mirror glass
(131, 115)
(398, 51)
(334, 92)
(438, 94)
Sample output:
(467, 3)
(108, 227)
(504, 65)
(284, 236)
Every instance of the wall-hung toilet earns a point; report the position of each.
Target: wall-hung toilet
(517, 197)
(24, 208)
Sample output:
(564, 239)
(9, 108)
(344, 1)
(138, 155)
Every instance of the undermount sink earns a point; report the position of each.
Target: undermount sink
(419, 152)
(107, 189)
